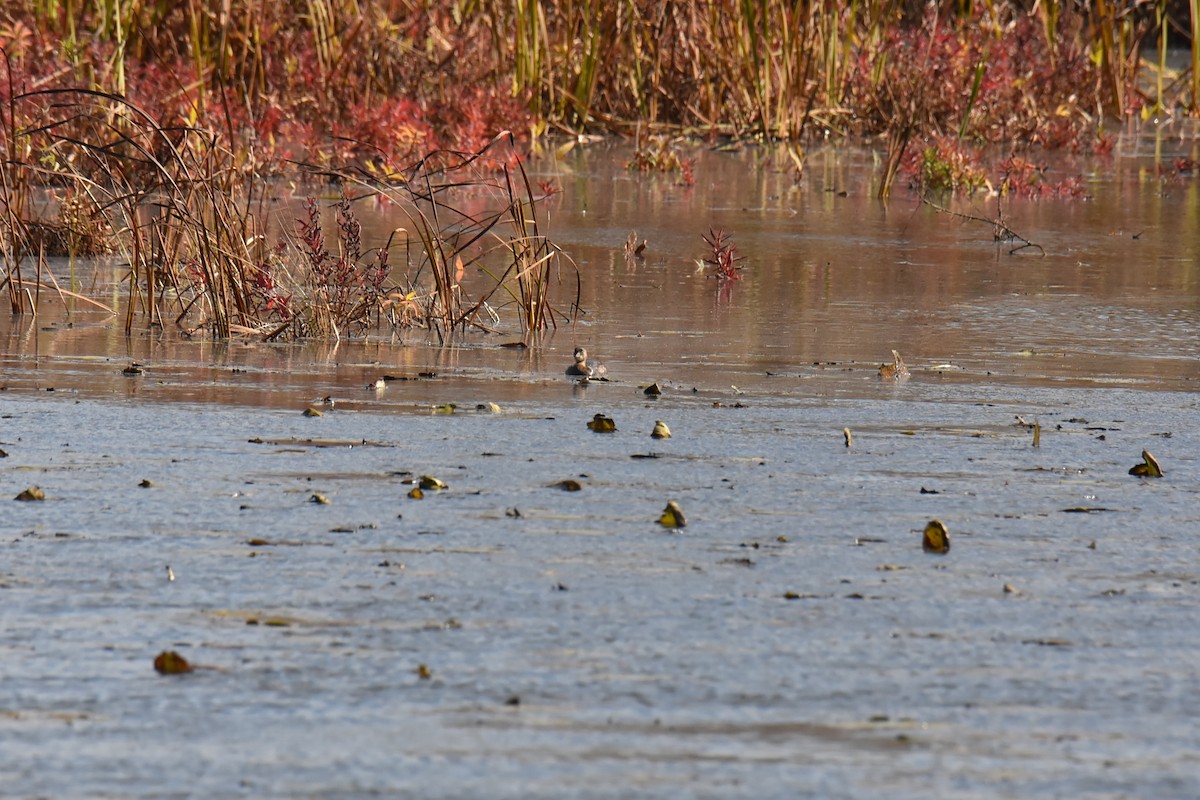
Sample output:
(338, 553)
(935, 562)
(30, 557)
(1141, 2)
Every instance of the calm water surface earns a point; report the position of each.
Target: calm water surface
(792, 640)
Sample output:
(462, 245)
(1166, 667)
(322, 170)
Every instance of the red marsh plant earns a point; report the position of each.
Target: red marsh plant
(723, 259)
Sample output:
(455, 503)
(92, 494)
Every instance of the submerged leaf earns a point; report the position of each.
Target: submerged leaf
(661, 431)
(32, 493)
(936, 538)
(168, 662)
(672, 516)
(1149, 467)
(602, 424)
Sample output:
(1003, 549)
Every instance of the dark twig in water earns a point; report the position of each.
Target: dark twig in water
(1000, 229)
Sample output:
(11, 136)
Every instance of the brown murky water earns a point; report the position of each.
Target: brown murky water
(792, 640)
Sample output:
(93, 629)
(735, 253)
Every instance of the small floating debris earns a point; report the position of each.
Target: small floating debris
(848, 436)
(319, 499)
(1149, 467)
(312, 412)
(490, 408)
(568, 485)
(379, 385)
(133, 370)
(30, 494)
(672, 516)
(430, 483)
(146, 484)
(602, 424)
(170, 574)
(1010, 589)
(661, 431)
(424, 672)
(653, 390)
(168, 662)
(445, 408)
(416, 494)
(896, 371)
(936, 538)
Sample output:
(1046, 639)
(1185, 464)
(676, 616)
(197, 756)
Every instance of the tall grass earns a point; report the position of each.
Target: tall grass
(476, 214)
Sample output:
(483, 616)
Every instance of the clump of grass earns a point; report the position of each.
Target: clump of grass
(345, 293)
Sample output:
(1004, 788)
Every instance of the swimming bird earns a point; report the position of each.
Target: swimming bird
(582, 368)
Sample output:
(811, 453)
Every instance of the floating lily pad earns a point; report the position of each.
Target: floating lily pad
(936, 538)
(602, 424)
(1149, 467)
(672, 516)
(168, 662)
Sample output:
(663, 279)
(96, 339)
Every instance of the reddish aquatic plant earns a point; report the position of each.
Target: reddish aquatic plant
(724, 258)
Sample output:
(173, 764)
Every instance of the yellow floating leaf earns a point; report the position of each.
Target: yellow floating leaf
(661, 431)
(432, 483)
(936, 538)
(168, 662)
(672, 516)
(445, 408)
(602, 424)
(1148, 469)
(32, 493)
